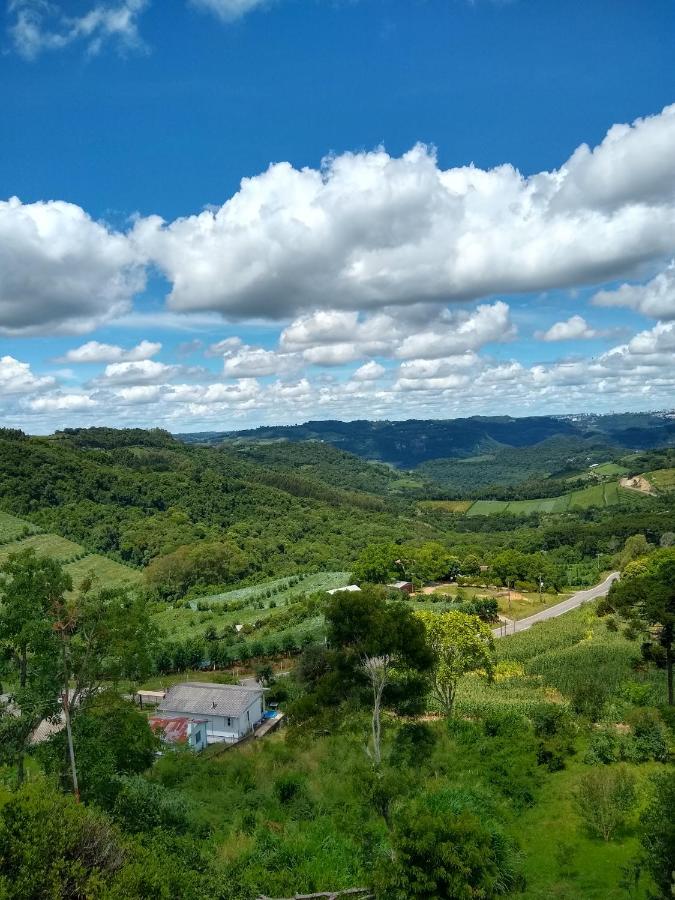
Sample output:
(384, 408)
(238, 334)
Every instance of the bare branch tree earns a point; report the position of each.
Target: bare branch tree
(379, 670)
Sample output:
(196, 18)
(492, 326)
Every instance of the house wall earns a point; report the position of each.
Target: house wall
(198, 738)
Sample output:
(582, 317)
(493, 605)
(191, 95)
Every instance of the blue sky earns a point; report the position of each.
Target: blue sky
(369, 271)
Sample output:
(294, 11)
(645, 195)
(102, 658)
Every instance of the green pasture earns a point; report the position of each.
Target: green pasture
(610, 468)
(45, 545)
(18, 534)
(596, 495)
(215, 610)
(105, 572)
(281, 589)
(662, 479)
(12, 528)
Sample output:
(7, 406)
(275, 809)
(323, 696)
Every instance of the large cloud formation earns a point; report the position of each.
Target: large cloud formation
(364, 232)
(367, 230)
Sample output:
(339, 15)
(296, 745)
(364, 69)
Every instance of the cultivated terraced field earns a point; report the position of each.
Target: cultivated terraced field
(11, 528)
(607, 494)
(18, 534)
(662, 479)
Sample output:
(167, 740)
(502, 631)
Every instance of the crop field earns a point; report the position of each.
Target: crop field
(18, 534)
(45, 545)
(610, 468)
(450, 506)
(597, 495)
(282, 589)
(662, 479)
(106, 572)
(11, 528)
(555, 661)
(249, 606)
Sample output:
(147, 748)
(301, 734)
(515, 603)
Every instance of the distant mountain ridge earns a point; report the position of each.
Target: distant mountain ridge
(407, 444)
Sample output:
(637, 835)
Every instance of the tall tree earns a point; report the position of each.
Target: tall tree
(460, 643)
(384, 638)
(645, 596)
(31, 587)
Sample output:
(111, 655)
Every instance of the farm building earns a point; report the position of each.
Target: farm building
(180, 730)
(350, 587)
(405, 586)
(231, 711)
(149, 698)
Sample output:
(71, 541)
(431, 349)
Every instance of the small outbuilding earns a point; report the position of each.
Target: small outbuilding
(180, 730)
(350, 587)
(231, 711)
(405, 586)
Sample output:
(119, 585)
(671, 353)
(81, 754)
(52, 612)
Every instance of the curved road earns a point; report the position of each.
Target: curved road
(571, 603)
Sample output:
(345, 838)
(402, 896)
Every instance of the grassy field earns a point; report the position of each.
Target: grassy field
(45, 545)
(79, 563)
(610, 468)
(331, 834)
(11, 528)
(106, 572)
(662, 479)
(597, 495)
(522, 604)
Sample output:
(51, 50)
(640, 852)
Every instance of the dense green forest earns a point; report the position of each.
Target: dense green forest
(408, 443)
(428, 751)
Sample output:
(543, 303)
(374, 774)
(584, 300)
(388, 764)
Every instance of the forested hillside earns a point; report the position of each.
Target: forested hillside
(408, 443)
(414, 722)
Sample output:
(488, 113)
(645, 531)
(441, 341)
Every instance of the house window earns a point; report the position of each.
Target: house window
(229, 722)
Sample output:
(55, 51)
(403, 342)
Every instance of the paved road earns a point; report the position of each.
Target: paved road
(571, 603)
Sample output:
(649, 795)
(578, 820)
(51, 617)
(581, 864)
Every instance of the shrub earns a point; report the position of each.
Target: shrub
(142, 805)
(648, 740)
(444, 855)
(604, 798)
(603, 748)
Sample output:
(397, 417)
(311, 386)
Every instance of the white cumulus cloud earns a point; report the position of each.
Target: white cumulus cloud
(370, 371)
(96, 352)
(60, 270)
(574, 328)
(16, 377)
(656, 298)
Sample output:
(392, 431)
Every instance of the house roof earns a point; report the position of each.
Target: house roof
(174, 730)
(200, 698)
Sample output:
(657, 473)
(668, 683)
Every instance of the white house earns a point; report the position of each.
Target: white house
(231, 711)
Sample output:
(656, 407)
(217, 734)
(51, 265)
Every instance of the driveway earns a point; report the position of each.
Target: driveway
(571, 603)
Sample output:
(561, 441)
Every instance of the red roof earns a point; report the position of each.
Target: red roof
(174, 730)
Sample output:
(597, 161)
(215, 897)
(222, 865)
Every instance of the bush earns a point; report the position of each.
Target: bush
(413, 744)
(648, 740)
(603, 748)
(604, 798)
(438, 854)
(142, 805)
